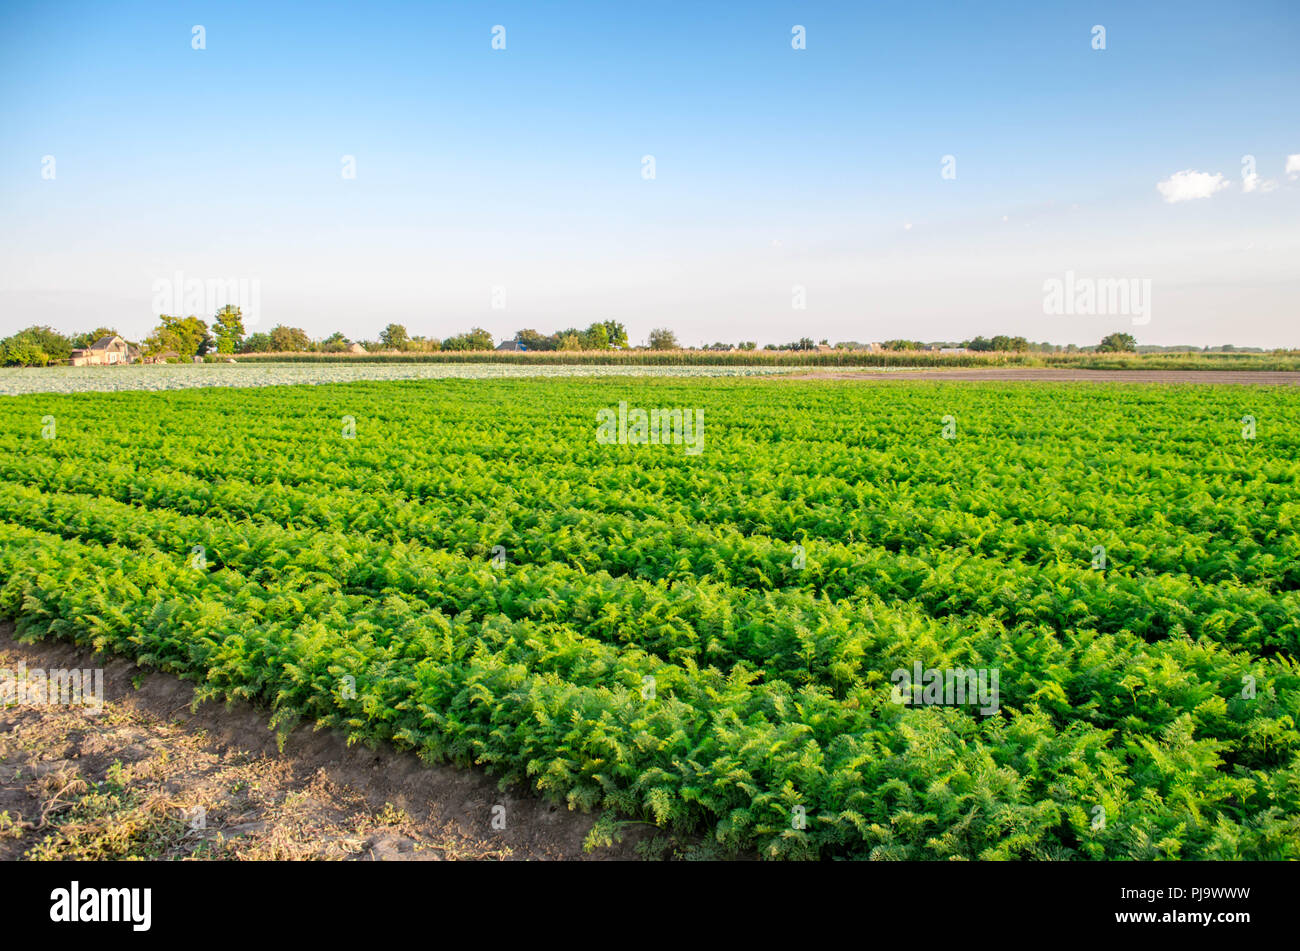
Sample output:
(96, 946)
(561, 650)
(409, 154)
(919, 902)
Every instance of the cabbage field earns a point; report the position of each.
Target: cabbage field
(900, 620)
(16, 381)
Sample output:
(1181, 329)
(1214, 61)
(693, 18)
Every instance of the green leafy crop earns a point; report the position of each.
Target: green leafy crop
(706, 642)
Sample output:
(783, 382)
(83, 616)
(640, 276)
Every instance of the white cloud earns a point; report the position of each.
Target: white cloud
(1187, 184)
(1293, 167)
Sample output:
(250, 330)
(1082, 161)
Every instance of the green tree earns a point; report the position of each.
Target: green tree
(334, 343)
(229, 328)
(661, 338)
(476, 339)
(394, 337)
(424, 344)
(1001, 343)
(595, 337)
(615, 333)
(536, 341)
(22, 350)
(1117, 343)
(289, 339)
(39, 340)
(188, 336)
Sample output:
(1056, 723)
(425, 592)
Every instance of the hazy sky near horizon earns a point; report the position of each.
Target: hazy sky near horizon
(774, 168)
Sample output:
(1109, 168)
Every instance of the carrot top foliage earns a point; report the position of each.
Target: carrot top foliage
(711, 641)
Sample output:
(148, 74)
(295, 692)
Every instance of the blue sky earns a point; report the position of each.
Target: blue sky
(775, 168)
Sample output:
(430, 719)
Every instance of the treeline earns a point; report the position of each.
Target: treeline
(1001, 343)
(396, 338)
(599, 336)
(183, 338)
(644, 356)
(603, 335)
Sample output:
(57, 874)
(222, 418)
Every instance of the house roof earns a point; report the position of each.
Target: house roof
(103, 343)
(511, 345)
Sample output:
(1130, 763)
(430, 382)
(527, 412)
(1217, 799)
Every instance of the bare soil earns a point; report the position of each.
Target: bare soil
(148, 777)
(1057, 375)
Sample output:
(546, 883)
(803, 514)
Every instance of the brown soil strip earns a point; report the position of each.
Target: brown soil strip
(133, 780)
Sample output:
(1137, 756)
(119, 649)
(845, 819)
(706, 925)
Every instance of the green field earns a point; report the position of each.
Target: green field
(710, 640)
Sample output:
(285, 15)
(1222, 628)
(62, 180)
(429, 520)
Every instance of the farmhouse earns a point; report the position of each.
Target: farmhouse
(106, 351)
(356, 348)
(511, 345)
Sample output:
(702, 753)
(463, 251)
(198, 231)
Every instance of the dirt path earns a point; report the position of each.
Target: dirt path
(148, 778)
(1031, 374)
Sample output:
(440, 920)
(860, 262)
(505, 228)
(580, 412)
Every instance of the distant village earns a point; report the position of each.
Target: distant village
(190, 339)
(112, 350)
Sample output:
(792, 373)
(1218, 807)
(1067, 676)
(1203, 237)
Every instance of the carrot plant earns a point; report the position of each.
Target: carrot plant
(711, 642)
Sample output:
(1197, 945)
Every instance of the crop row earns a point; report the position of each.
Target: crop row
(945, 582)
(793, 636)
(1212, 527)
(542, 703)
